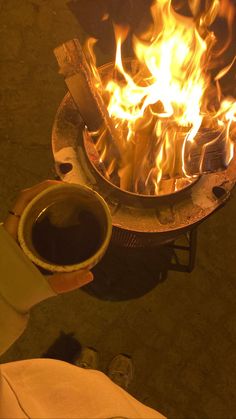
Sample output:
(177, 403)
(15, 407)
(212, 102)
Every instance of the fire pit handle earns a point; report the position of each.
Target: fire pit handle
(67, 166)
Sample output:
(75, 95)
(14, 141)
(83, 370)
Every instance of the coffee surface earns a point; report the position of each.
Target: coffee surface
(67, 244)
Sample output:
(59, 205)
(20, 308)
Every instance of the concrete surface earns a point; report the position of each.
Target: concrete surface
(180, 333)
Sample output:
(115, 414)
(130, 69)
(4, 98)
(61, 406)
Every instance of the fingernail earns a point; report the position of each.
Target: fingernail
(88, 277)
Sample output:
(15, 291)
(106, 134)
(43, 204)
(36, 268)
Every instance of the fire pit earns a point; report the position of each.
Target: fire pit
(138, 220)
(153, 137)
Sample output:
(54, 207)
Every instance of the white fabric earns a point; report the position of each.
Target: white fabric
(53, 389)
(9, 404)
(21, 287)
(21, 283)
(12, 324)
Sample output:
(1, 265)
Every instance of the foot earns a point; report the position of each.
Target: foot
(120, 370)
(88, 359)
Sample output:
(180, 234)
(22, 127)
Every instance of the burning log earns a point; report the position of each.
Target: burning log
(142, 158)
(207, 154)
(80, 82)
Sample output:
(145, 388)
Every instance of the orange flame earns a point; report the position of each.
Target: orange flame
(169, 97)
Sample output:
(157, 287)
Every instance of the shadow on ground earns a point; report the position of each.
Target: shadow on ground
(65, 348)
(127, 273)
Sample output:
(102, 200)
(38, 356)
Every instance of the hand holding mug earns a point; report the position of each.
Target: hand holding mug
(60, 281)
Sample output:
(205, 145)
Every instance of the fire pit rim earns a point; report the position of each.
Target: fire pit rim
(65, 133)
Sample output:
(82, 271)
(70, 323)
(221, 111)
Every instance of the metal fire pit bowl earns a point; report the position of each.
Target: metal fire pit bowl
(137, 220)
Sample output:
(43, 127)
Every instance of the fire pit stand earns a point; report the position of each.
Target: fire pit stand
(138, 220)
(190, 249)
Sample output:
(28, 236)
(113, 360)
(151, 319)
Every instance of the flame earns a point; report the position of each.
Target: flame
(170, 97)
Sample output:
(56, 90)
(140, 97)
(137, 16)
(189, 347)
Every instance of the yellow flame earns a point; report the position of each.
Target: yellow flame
(168, 94)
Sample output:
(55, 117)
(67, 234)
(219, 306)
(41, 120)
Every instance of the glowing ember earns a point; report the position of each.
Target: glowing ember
(165, 99)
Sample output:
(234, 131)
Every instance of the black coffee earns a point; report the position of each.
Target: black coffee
(67, 244)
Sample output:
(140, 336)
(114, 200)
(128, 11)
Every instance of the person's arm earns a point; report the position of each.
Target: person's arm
(21, 287)
(12, 325)
(21, 283)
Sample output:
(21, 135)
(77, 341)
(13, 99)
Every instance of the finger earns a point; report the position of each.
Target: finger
(28, 194)
(11, 223)
(64, 282)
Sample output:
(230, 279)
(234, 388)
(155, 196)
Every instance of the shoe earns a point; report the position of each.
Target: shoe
(88, 359)
(121, 370)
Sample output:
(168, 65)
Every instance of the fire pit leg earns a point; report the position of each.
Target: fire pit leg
(191, 248)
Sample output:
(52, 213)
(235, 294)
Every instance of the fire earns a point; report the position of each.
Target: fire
(162, 104)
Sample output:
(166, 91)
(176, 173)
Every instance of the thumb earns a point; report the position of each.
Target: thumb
(64, 282)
